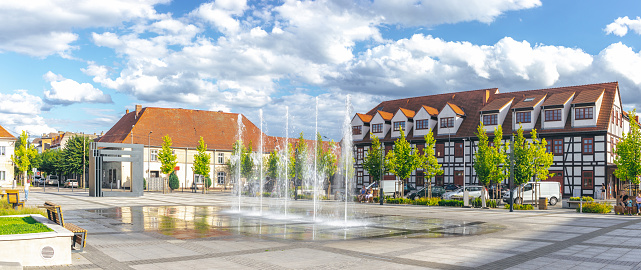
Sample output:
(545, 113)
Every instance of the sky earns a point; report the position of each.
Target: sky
(77, 65)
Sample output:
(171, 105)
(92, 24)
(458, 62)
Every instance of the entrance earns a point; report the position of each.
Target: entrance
(558, 177)
(458, 178)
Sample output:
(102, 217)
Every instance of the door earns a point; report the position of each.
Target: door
(458, 178)
(558, 177)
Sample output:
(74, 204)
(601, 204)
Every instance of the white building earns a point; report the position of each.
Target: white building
(7, 142)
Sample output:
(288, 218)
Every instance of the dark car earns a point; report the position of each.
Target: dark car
(408, 189)
(437, 191)
(450, 187)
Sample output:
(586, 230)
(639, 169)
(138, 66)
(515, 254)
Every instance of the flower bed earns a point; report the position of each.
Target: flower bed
(593, 207)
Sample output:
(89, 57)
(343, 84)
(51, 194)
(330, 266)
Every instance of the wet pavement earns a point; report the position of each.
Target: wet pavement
(206, 231)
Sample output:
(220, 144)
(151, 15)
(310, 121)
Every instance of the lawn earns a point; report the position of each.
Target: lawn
(21, 225)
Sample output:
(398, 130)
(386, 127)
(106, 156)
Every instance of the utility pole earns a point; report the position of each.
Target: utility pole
(511, 173)
(148, 159)
(84, 153)
(381, 195)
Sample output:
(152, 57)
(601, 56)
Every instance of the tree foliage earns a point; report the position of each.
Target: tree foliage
(299, 158)
(273, 161)
(166, 156)
(51, 162)
(531, 160)
(501, 169)
(428, 161)
(76, 155)
(246, 161)
(202, 159)
(628, 153)
(23, 154)
(401, 161)
(325, 158)
(373, 162)
(490, 162)
(174, 183)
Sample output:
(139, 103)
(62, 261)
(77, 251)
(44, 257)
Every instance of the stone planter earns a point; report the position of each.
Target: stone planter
(38, 249)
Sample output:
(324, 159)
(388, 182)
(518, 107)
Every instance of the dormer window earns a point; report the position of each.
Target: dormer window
(447, 122)
(357, 130)
(377, 128)
(398, 125)
(523, 117)
(528, 99)
(553, 115)
(583, 113)
(490, 119)
(422, 124)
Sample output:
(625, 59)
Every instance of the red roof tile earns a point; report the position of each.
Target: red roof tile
(5, 134)
(430, 110)
(531, 101)
(408, 113)
(456, 109)
(558, 98)
(386, 116)
(497, 104)
(364, 117)
(590, 96)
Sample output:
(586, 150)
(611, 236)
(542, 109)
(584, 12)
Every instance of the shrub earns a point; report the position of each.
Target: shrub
(520, 206)
(267, 194)
(427, 201)
(455, 203)
(594, 207)
(207, 181)
(144, 183)
(173, 181)
(585, 199)
(399, 201)
(7, 210)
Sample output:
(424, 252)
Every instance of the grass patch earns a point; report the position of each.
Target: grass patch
(7, 210)
(21, 225)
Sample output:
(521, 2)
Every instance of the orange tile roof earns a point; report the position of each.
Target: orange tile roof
(456, 109)
(558, 98)
(590, 96)
(430, 110)
(185, 127)
(364, 117)
(408, 113)
(386, 116)
(5, 134)
(529, 104)
(496, 104)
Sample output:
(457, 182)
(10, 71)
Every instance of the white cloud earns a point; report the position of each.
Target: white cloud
(21, 111)
(620, 26)
(44, 27)
(221, 14)
(67, 91)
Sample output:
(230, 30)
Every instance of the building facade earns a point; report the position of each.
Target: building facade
(7, 144)
(582, 125)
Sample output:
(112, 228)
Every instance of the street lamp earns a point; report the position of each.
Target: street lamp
(466, 195)
(148, 158)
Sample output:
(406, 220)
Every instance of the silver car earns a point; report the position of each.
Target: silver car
(474, 192)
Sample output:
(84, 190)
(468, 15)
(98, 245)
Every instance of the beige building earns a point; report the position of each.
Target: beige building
(7, 142)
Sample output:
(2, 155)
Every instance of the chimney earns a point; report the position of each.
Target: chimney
(127, 111)
(138, 109)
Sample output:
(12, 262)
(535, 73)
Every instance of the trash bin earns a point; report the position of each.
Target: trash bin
(543, 203)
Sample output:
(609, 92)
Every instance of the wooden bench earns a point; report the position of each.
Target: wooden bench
(79, 234)
(13, 197)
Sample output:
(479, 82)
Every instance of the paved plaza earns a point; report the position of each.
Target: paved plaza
(182, 231)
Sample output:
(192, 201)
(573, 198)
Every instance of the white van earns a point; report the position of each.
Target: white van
(52, 180)
(533, 190)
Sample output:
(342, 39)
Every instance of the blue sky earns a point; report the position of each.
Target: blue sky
(78, 65)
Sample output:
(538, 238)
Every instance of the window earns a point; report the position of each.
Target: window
(440, 150)
(377, 128)
(221, 158)
(3, 150)
(583, 113)
(154, 155)
(523, 117)
(419, 148)
(3, 175)
(558, 147)
(528, 99)
(458, 149)
(548, 148)
(399, 125)
(621, 120)
(553, 115)
(613, 114)
(587, 180)
(221, 178)
(439, 180)
(422, 124)
(359, 178)
(588, 146)
(447, 122)
(490, 143)
(491, 119)
(359, 153)
(357, 130)
(420, 178)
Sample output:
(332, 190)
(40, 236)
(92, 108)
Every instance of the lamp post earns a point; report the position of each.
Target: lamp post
(148, 158)
(511, 173)
(84, 156)
(466, 196)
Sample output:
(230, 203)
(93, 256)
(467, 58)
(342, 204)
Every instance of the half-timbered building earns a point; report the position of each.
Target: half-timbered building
(581, 124)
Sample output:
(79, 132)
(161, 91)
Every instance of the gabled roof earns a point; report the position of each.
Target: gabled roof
(496, 105)
(430, 110)
(558, 98)
(407, 113)
(5, 134)
(386, 116)
(364, 117)
(529, 101)
(456, 109)
(588, 97)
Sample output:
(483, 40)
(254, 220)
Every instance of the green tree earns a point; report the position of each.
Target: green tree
(50, 161)
(23, 154)
(401, 161)
(75, 155)
(428, 161)
(300, 158)
(166, 156)
(174, 183)
(272, 165)
(247, 162)
(373, 162)
(628, 153)
(501, 169)
(326, 159)
(202, 160)
(483, 158)
(531, 160)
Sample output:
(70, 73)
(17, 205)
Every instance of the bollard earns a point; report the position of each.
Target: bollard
(581, 205)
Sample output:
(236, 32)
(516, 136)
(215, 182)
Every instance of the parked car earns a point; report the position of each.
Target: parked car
(502, 190)
(407, 189)
(71, 183)
(437, 192)
(473, 191)
(548, 189)
(451, 187)
(38, 181)
(52, 180)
